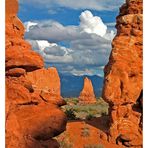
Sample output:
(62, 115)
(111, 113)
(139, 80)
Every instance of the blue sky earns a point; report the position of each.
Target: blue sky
(66, 16)
(75, 36)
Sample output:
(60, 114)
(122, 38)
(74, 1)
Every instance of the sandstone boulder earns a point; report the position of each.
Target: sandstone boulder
(33, 95)
(47, 83)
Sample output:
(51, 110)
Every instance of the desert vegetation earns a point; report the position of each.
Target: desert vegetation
(76, 111)
(79, 133)
(80, 129)
(64, 140)
(85, 131)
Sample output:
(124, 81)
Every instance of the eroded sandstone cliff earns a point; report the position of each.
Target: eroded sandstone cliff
(87, 95)
(33, 96)
(123, 77)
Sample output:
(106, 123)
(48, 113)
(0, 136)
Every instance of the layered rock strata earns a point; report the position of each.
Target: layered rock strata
(123, 77)
(87, 95)
(33, 97)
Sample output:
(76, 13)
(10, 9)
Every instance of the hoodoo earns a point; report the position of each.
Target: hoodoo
(123, 77)
(33, 96)
(87, 95)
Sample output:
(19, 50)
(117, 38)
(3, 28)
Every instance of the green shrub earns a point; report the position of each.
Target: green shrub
(70, 114)
(89, 117)
(85, 132)
(75, 110)
(75, 101)
(64, 140)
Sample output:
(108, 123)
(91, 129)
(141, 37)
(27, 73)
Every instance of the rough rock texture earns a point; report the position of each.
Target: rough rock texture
(87, 95)
(46, 82)
(123, 77)
(33, 97)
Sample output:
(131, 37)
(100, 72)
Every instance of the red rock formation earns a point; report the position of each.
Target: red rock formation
(87, 95)
(46, 82)
(33, 97)
(123, 77)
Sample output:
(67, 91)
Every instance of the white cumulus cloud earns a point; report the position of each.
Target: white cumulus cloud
(92, 24)
(54, 31)
(28, 25)
(52, 52)
(43, 44)
(89, 44)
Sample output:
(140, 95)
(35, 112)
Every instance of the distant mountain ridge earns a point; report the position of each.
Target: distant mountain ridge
(72, 85)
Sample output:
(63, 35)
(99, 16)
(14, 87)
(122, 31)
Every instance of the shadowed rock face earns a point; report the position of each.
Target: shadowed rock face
(33, 95)
(87, 95)
(123, 77)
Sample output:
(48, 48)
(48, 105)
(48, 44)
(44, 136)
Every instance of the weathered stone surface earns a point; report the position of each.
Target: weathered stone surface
(16, 72)
(39, 122)
(123, 77)
(45, 95)
(18, 51)
(47, 83)
(26, 59)
(47, 79)
(11, 10)
(87, 95)
(33, 95)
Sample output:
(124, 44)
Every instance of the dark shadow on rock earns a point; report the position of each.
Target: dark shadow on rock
(102, 123)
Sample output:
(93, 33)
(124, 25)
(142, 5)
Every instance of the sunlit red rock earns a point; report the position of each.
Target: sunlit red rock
(18, 51)
(123, 77)
(33, 95)
(47, 83)
(16, 72)
(87, 95)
